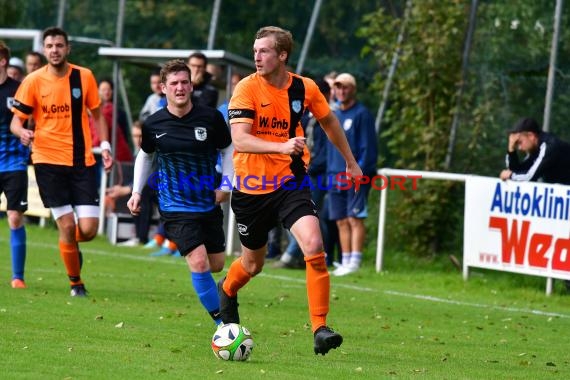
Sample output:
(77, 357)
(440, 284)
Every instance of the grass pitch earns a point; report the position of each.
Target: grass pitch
(142, 320)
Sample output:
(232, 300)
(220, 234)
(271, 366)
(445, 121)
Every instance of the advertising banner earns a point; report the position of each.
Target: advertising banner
(520, 227)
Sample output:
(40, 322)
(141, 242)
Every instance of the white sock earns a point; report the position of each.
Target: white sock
(286, 257)
(355, 259)
(345, 259)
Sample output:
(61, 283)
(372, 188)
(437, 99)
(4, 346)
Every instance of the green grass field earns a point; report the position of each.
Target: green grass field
(416, 319)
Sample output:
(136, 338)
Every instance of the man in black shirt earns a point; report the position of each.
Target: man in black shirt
(546, 156)
(203, 91)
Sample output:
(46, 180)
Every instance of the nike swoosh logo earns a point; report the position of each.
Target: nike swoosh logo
(22, 203)
(159, 136)
(265, 105)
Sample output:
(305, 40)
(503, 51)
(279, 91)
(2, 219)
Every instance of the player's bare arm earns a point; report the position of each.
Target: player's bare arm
(26, 136)
(102, 129)
(245, 142)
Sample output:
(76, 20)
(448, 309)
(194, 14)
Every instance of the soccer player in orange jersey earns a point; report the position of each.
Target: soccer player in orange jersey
(58, 97)
(272, 184)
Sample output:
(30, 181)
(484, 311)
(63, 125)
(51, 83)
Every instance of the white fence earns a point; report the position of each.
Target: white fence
(519, 227)
(384, 198)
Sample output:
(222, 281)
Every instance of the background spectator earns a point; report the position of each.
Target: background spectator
(16, 69)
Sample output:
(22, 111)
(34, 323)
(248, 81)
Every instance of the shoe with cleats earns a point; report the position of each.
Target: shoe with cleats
(18, 283)
(228, 305)
(78, 291)
(152, 244)
(326, 339)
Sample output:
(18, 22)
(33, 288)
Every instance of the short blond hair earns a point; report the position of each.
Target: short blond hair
(283, 38)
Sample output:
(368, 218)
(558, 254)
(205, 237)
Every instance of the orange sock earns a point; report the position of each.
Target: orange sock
(318, 289)
(236, 278)
(159, 239)
(70, 256)
(172, 246)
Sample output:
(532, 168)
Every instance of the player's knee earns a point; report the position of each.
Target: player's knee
(343, 223)
(256, 270)
(67, 228)
(216, 267)
(312, 245)
(253, 268)
(15, 219)
(88, 235)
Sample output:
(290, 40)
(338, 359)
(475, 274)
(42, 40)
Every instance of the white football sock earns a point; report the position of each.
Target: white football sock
(345, 259)
(355, 259)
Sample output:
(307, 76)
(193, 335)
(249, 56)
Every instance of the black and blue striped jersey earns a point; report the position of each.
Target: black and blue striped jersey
(186, 152)
(13, 155)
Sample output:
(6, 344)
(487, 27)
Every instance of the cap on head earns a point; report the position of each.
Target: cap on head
(345, 79)
(16, 62)
(526, 125)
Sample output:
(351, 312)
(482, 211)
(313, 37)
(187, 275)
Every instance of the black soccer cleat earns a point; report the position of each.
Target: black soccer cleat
(228, 305)
(78, 291)
(325, 339)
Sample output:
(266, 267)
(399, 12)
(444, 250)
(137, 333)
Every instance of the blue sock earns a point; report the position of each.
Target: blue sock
(18, 246)
(207, 291)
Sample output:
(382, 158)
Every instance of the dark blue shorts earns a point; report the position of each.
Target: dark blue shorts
(348, 203)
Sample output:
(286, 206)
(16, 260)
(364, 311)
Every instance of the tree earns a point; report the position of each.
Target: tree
(422, 101)
(508, 67)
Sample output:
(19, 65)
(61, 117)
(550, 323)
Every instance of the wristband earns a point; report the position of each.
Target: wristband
(105, 146)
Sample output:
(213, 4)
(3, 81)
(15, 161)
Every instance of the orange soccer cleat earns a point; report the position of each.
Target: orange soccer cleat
(18, 284)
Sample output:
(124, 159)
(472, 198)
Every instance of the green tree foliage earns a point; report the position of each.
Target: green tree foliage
(422, 101)
(10, 11)
(506, 79)
(183, 24)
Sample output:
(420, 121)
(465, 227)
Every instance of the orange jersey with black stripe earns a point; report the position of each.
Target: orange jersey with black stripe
(59, 107)
(275, 115)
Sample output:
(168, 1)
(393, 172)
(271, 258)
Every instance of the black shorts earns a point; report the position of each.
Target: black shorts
(190, 230)
(67, 185)
(15, 186)
(259, 213)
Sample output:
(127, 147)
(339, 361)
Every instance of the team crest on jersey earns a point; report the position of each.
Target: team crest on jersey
(200, 133)
(76, 92)
(296, 105)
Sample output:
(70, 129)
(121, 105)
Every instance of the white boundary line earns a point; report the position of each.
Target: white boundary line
(333, 285)
(477, 305)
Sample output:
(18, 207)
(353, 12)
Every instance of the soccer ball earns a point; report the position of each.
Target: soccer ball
(232, 342)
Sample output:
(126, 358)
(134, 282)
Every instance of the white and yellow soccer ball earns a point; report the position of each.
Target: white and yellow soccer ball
(232, 341)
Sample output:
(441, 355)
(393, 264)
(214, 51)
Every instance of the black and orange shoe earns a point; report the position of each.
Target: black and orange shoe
(228, 305)
(326, 339)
